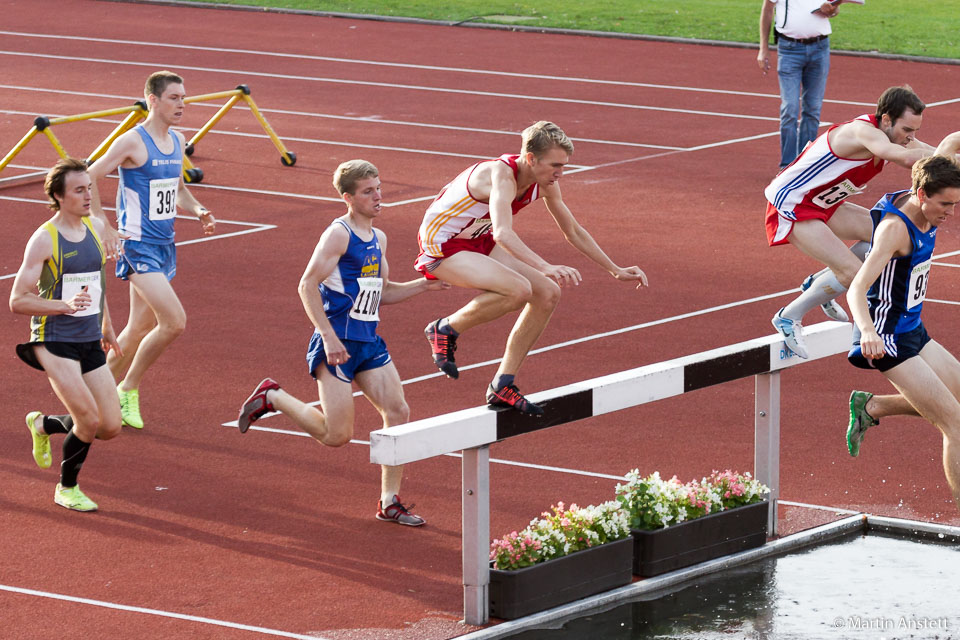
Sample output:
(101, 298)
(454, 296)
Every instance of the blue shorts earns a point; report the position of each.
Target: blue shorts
(900, 347)
(363, 356)
(144, 257)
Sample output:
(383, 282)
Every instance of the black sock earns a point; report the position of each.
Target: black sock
(444, 327)
(504, 380)
(57, 424)
(74, 453)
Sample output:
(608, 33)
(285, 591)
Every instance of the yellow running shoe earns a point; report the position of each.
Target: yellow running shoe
(130, 408)
(41, 442)
(73, 498)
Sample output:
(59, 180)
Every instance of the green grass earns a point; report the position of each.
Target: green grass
(911, 27)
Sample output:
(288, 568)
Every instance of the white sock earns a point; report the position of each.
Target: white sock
(825, 287)
(387, 499)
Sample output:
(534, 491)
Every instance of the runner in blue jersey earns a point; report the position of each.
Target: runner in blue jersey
(344, 284)
(149, 159)
(69, 329)
(886, 298)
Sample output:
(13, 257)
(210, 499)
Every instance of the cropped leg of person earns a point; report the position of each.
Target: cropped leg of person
(156, 294)
(91, 400)
(824, 242)
(814, 80)
(931, 383)
(139, 323)
(790, 63)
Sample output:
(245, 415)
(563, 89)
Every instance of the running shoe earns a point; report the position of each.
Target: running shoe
(443, 347)
(41, 441)
(792, 333)
(860, 421)
(398, 513)
(831, 308)
(256, 406)
(510, 396)
(130, 408)
(73, 498)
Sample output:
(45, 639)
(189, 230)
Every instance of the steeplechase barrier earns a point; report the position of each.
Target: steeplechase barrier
(134, 113)
(474, 430)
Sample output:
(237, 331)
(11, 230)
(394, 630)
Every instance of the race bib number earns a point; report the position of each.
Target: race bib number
(479, 227)
(919, 277)
(836, 194)
(163, 198)
(74, 283)
(367, 306)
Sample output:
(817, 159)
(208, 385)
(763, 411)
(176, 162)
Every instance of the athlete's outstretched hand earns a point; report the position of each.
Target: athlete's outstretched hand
(562, 274)
(630, 274)
(208, 221)
(111, 242)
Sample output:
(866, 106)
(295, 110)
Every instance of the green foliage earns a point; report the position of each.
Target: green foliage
(913, 27)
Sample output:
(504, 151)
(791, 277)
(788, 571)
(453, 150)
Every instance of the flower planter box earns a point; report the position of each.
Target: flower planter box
(514, 594)
(699, 540)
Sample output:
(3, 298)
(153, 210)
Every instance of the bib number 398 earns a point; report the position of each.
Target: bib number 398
(367, 306)
(163, 198)
(919, 278)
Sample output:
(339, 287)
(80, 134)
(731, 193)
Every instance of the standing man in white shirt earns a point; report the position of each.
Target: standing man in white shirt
(803, 62)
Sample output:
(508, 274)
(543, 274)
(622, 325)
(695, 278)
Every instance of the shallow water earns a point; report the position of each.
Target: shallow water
(861, 587)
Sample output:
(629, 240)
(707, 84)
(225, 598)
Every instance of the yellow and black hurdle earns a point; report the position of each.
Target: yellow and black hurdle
(135, 113)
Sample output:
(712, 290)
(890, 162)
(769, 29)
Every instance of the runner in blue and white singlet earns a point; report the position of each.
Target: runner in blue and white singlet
(351, 294)
(147, 196)
(896, 298)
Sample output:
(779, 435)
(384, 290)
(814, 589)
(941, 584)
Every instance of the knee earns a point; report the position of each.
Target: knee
(173, 327)
(336, 437)
(520, 294)
(398, 413)
(109, 429)
(86, 423)
(548, 296)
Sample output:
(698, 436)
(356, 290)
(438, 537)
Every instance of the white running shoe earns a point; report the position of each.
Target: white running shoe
(792, 333)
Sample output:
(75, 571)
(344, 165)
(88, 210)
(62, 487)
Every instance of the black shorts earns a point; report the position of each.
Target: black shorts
(90, 355)
(900, 347)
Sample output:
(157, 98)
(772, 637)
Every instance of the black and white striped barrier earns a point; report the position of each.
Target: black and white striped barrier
(473, 430)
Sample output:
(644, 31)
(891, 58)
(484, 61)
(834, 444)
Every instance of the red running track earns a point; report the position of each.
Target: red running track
(273, 531)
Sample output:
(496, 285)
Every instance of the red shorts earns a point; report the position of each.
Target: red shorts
(483, 244)
(779, 226)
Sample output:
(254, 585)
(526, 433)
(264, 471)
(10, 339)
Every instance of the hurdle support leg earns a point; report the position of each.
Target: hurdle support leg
(766, 454)
(475, 467)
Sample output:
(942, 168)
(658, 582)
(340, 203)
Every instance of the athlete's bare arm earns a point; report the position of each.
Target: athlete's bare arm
(23, 296)
(332, 245)
(129, 152)
(891, 239)
(576, 235)
(861, 140)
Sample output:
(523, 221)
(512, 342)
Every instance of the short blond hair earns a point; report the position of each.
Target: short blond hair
(542, 136)
(349, 173)
(157, 83)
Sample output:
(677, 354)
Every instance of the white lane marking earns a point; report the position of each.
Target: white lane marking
(157, 612)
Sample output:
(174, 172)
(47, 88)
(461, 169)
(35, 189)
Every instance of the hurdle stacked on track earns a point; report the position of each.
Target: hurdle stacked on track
(474, 430)
(135, 113)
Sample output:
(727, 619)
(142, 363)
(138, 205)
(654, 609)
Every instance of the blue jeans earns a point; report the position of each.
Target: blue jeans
(802, 69)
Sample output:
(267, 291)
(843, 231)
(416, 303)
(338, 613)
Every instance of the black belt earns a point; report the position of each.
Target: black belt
(801, 40)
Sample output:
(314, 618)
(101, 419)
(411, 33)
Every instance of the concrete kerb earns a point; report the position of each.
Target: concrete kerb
(468, 23)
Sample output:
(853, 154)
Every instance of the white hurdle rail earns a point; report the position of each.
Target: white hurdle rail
(474, 430)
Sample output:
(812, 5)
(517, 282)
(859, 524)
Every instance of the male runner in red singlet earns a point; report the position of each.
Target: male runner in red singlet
(806, 201)
(467, 239)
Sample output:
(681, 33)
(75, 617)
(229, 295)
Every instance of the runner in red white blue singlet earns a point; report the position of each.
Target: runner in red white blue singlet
(808, 203)
(467, 239)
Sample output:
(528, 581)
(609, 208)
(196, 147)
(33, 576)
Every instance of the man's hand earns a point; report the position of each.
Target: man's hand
(109, 340)
(208, 221)
(334, 350)
(78, 302)
(631, 274)
(763, 60)
(562, 274)
(871, 345)
(111, 242)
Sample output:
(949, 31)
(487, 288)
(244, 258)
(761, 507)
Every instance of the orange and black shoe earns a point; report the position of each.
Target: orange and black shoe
(443, 346)
(510, 396)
